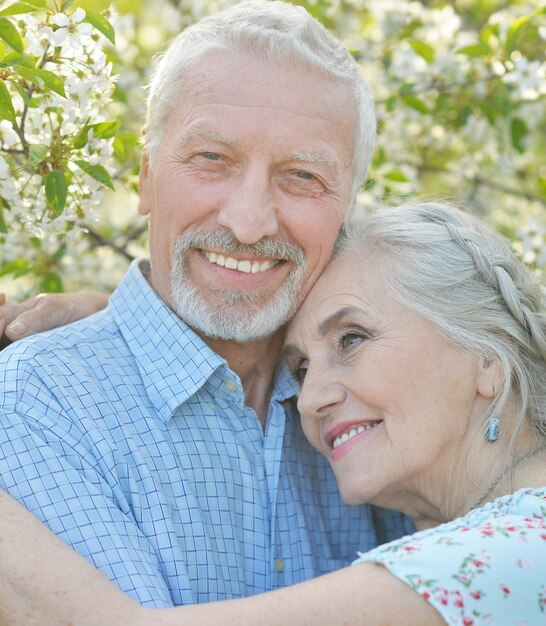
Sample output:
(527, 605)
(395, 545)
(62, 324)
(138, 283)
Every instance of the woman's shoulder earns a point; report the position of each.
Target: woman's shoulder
(484, 566)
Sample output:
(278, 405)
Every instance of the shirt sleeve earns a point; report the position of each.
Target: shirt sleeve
(52, 476)
(489, 573)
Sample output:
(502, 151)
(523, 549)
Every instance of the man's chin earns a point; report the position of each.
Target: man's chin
(240, 322)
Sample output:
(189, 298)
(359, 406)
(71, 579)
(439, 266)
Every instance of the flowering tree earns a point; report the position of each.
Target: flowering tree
(460, 91)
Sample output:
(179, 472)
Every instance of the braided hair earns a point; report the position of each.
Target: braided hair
(461, 276)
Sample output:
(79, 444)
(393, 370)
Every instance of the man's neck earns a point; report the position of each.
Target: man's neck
(255, 365)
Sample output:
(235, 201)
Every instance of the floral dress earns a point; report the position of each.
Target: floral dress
(488, 567)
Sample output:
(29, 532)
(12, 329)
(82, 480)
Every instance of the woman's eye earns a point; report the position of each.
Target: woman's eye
(348, 340)
(300, 371)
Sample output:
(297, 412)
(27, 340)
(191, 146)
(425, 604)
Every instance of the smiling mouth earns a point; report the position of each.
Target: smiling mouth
(245, 266)
(345, 436)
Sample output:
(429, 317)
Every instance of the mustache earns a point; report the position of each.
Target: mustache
(267, 247)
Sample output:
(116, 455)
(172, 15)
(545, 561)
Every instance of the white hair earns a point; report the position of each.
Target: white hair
(462, 277)
(274, 31)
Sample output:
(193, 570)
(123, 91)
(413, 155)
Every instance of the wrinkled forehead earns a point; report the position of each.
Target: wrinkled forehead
(347, 282)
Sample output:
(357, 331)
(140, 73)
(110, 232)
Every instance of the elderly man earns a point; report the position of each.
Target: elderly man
(159, 438)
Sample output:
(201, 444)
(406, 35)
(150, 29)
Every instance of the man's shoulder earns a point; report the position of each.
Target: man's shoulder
(56, 357)
(63, 342)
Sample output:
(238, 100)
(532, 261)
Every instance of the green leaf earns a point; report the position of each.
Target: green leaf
(104, 130)
(28, 6)
(475, 50)
(37, 153)
(52, 283)
(10, 35)
(99, 22)
(125, 146)
(518, 130)
(56, 189)
(390, 103)
(59, 253)
(423, 49)
(21, 92)
(515, 32)
(41, 78)
(19, 267)
(15, 58)
(417, 104)
(406, 88)
(396, 176)
(3, 225)
(7, 112)
(81, 139)
(97, 172)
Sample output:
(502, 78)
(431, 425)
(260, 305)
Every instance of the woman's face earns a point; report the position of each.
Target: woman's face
(383, 397)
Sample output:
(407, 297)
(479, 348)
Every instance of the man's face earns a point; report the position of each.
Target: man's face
(247, 193)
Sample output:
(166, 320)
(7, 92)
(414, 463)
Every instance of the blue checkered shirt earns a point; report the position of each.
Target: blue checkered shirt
(129, 437)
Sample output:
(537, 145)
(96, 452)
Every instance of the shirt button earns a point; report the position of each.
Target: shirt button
(279, 565)
(231, 386)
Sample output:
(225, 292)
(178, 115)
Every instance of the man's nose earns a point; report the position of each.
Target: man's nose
(250, 210)
(321, 393)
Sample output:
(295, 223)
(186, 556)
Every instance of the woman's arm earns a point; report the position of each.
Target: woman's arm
(46, 311)
(42, 581)
(364, 595)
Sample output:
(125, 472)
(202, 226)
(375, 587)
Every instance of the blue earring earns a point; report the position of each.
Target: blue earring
(493, 431)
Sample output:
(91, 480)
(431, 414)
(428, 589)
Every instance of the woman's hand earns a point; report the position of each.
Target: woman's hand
(46, 311)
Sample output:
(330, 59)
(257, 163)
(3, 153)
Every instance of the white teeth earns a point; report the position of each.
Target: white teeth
(246, 266)
(352, 433)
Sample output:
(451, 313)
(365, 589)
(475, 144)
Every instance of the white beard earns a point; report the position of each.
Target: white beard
(240, 317)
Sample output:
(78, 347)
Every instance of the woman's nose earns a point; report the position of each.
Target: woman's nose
(321, 392)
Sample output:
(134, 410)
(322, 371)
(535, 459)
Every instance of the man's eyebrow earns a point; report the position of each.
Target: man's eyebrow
(335, 318)
(207, 133)
(311, 157)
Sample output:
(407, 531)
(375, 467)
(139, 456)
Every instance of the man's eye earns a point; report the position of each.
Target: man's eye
(212, 156)
(305, 175)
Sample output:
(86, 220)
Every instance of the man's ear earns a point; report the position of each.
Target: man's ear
(489, 377)
(145, 188)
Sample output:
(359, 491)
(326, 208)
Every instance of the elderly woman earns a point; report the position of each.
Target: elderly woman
(421, 353)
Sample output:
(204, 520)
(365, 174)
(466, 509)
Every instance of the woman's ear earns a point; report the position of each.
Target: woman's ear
(489, 377)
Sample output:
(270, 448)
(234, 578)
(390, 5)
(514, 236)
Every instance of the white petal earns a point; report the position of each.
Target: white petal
(78, 15)
(60, 19)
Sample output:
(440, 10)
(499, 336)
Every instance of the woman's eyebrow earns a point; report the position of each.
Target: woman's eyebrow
(335, 318)
(290, 350)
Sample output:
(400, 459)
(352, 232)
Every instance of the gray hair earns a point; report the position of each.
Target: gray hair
(275, 31)
(458, 274)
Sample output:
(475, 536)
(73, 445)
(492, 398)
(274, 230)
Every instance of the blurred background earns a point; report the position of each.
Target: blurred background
(460, 91)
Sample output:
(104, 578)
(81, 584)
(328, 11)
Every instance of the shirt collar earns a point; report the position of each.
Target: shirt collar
(285, 385)
(173, 360)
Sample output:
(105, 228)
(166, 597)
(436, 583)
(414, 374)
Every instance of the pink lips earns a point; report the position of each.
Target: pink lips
(344, 435)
